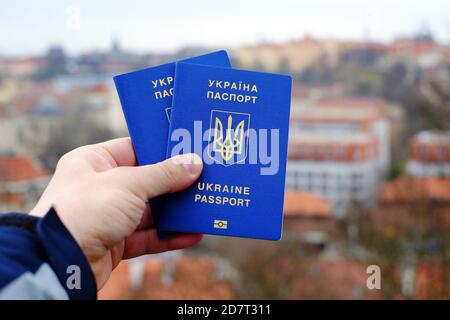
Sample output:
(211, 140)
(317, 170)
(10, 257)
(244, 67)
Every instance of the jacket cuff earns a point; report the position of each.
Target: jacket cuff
(66, 258)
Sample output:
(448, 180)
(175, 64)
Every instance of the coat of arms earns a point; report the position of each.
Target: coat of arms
(228, 136)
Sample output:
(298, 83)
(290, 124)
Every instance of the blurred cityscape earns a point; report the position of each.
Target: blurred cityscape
(368, 179)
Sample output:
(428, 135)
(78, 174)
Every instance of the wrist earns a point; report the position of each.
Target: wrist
(64, 254)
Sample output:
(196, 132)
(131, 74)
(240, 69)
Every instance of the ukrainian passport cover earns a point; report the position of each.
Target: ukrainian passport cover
(146, 98)
(238, 122)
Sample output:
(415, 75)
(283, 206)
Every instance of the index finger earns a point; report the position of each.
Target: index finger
(121, 150)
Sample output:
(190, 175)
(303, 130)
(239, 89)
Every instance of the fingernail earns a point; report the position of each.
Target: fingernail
(190, 162)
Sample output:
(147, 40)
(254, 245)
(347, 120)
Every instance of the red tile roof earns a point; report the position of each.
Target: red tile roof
(13, 198)
(409, 189)
(18, 168)
(98, 88)
(333, 279)
(410, 47)
(430, 280)
(304, 203)
(192, 278)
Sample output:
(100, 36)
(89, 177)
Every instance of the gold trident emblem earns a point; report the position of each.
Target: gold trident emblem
(229, 146)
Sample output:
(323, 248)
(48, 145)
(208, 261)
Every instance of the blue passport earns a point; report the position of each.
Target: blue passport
(146, 98)
(238, 122)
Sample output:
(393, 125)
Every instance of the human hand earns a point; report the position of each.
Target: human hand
(101, 197)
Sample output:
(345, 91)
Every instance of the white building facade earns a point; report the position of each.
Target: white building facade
(430, 155)
(340, 152)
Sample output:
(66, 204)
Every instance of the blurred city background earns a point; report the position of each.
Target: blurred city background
(368, 179)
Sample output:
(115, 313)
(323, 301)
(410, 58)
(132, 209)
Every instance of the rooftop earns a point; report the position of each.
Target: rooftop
(327, 138)
(410, 47)
(304, 203)
(337, 278)
(433, 137)
(190, 278)
(13, 198)
(408, 190)
(19, 168)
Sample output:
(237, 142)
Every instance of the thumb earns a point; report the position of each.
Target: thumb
(171, 175)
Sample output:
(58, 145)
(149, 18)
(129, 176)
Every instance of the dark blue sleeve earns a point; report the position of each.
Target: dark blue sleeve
(28, 243)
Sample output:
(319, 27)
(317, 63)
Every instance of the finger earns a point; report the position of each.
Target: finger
(146, 220)
(146, 242)
(121, 150)
(171, 175)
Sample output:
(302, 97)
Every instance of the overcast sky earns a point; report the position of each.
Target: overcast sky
(28, 27)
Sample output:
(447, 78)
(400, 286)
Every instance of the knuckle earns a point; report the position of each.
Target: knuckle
(70, 157)
(66, 158)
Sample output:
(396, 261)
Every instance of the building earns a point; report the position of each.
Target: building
(339, 149)
(341, 168)
(9, 133)
(101, 102)
(20, 67)
(347, 116)
(59, 113)
(409, 202)
(430, 155)
(298, 204)
(292, 56)
(308, 219)
(423, 54)
(411, 190)
(417, 211)
(41, 124)
(22, 181)
(332, 278)
(176, 277)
